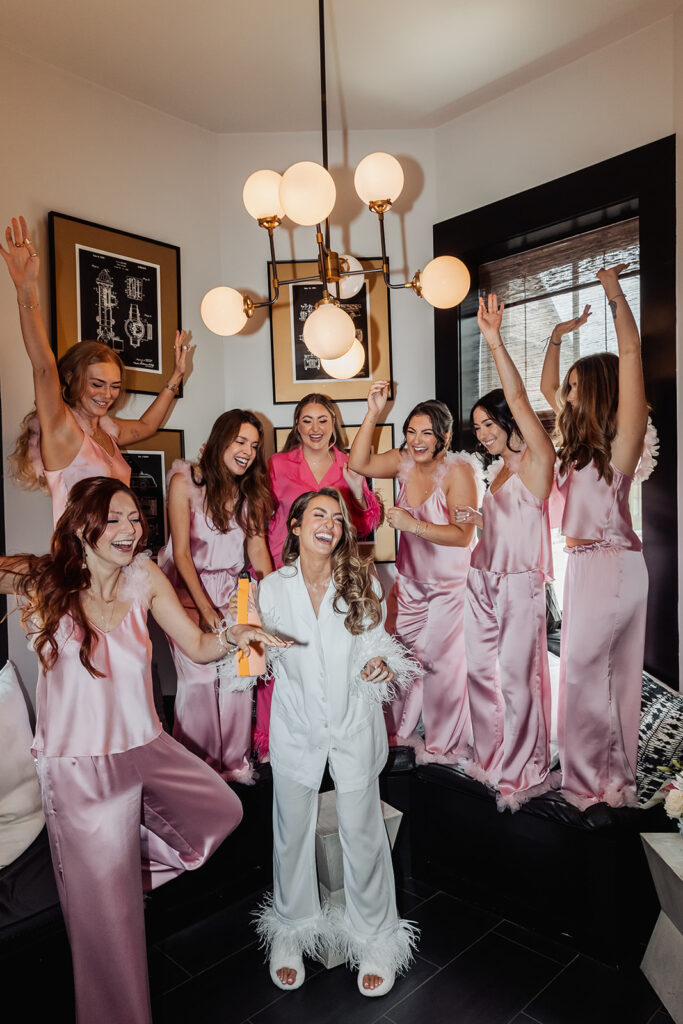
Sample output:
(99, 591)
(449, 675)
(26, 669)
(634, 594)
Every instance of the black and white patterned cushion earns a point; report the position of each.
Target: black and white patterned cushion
(661, 736)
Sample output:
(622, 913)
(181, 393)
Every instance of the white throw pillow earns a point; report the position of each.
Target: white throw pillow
(21, 812)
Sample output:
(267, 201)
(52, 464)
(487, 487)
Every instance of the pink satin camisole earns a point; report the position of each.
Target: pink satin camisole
(82, 715)
(596, 510)
(218, 557)
(91, 460)
(417, 557)
(516, 532)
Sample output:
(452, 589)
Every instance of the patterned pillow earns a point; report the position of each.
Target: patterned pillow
(661, 736)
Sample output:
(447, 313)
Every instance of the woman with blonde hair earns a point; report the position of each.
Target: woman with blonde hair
(218, 512)
(105, 765)
(602, 417)
(328, 694)
(70, 435)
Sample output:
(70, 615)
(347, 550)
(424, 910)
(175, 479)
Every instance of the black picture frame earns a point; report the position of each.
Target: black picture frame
(150, 462)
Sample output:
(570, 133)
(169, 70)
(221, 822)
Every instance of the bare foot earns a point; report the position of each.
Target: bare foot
(371, 981)
(287, 975)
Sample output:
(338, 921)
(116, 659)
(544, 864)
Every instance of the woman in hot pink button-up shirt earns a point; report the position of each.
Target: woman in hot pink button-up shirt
(310, 460)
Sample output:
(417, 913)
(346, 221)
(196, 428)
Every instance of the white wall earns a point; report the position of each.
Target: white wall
(80, 150)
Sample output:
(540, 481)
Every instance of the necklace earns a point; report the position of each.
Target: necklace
(105, 622)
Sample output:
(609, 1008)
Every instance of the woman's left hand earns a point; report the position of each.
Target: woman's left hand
(466, 515)
(243, 636)
(354, 482)
(377, 671)
(400, 519)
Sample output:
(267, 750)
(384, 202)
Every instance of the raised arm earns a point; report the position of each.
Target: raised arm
(361, 457)
(23, 264)
(632, 410)
(152, 418)
(536, 470)
(200, 647)
(550, 374)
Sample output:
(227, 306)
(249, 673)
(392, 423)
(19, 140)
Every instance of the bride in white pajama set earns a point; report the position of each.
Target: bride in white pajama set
(327, 707)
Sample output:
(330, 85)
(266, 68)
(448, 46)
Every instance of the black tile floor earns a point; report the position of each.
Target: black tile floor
(471, 968)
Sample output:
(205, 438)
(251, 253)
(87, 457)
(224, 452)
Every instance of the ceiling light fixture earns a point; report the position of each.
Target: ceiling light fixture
(306, 193)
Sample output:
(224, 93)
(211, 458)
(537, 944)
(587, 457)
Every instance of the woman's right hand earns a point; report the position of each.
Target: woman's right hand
(21, 258)
(567, 326)
(377, 397)
(243, 636)
(210, 621)
(465, 515)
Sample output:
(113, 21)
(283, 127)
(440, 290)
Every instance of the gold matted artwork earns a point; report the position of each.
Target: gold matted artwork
(150, 462)
(382, 545)
(296, 371)
(117, 288)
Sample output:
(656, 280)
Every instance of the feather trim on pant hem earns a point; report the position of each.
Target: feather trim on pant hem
(310, 937)
(391, 951)
(613, 796)
(246, 775)
(513, 801)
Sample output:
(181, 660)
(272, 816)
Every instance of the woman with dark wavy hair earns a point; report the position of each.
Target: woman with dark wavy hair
(327, 708)
(602, 417)
(71, 435)
(432, 564)
(218, 512)
(105, 766)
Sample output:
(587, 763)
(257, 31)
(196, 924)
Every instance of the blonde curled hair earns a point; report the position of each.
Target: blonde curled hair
(351, 573)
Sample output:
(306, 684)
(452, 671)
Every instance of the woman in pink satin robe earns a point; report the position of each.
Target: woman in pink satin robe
(602, 416)
(309, 460)
(508, 677)
(72, 435)
(104, 763)
(432, 564)
(218, 513)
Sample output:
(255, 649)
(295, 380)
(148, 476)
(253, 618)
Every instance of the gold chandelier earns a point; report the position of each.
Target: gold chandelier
(306, 194)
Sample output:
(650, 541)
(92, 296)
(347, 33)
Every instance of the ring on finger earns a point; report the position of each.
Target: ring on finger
(18, 245)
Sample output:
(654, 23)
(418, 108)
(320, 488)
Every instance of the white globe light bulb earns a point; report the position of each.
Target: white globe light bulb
(222, 310)
(378, 176)
(348, 365)
(261, 195)
(329, 332)
(445, 282)
(347, 287)
(307, 193)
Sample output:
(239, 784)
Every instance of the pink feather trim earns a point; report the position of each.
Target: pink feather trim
(648, 460)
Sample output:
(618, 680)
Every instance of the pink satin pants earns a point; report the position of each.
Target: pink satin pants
(601, 671)
(94, 807)
(213, 723)
(430, 621)
(509, 683)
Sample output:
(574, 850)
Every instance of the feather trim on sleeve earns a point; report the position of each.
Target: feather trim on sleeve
(648, 460)
(183, 468)
(137, 581)
(376, 643)
(475, 462)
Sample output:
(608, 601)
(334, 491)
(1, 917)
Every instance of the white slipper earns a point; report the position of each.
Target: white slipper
(381, 972)
(279, 959)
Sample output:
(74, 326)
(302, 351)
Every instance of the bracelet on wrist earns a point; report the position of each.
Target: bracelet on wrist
(174, 388)
(25, 305)
(616, 296)
(221, 633)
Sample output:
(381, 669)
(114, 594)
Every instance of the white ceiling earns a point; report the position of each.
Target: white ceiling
(235, 66)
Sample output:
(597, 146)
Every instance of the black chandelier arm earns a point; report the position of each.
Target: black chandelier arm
(385, 261)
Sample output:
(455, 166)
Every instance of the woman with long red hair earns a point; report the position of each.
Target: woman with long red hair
(71, 434)
(218, 511)
(104, 763)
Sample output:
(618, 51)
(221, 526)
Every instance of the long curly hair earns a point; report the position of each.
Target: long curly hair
(72, 369)
(338, 433)
(247, 498)
(53, 583)
(351, 573)
(441, 419)
(494, 404)
(585, 430)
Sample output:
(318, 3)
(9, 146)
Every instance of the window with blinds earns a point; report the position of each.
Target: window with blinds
(553, 283)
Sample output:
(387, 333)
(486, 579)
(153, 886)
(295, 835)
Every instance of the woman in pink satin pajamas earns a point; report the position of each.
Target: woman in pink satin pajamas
(508, 677)
(432, 564)
(104, 763)
(309, 460)
(602, 416)
(218, 513)
(71, 436)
